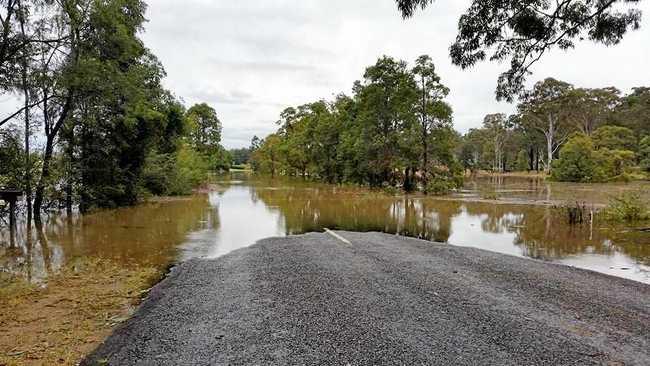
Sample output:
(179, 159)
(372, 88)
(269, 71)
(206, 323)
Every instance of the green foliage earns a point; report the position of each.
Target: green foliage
(521, 164)
(578, 162)
(439, 186)
(644, 153)
(12, 159)
(616, 163)
(522, 31)
(240, 156)
(174, 174)
(628, 207)
(614, 138)
(204, 127)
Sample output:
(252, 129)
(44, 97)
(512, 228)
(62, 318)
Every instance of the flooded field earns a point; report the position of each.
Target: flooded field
(239, 210)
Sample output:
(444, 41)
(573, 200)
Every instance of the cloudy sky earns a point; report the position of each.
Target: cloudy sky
(251, 59)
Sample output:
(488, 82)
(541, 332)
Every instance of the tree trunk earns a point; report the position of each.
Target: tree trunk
(45, 176)
(425, 138)
(69, 173)
(549, 153)
(28, 172)
(550, 135)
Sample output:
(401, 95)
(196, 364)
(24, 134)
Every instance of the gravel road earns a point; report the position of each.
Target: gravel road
(382, 300)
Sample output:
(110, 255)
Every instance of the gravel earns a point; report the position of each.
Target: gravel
(382, 300)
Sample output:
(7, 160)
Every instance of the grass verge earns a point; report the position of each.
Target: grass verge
(59, 323)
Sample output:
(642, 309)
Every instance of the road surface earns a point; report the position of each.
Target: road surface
(378, 299)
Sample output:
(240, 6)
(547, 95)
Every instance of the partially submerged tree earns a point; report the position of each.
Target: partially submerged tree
(496, 126)
(544, 109)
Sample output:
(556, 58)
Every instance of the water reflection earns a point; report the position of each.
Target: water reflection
(240, 211)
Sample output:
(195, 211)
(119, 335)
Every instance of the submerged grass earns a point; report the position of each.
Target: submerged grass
(59, 323)
(627, 207)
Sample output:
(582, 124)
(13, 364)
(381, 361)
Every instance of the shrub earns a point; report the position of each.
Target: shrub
(578, 162)
(644, 153)
(175, 174)
(443, 181)
(439, 186)
(615, 163)
(628, 207)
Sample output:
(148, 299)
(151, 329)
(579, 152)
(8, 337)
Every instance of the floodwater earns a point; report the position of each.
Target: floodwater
(240, 210)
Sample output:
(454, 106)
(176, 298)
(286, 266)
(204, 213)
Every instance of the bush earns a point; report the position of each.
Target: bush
(615, 163)
(439, 186)
(628, 207)
(443, 181)
(175, 174)
(578, 162)
(644, 153)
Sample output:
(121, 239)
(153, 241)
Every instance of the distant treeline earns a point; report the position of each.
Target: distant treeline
(395, 130)
(96, 128)
(577, 134)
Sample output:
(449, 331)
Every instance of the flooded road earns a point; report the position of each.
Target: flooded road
(240, 210)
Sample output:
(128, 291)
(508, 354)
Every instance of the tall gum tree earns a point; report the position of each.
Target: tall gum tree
(544, 109)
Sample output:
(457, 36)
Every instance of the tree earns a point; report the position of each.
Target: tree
(633, 111)
(204, 127)
(393, 131)
(472, 149)
(544, 109)
(522, 31)
(589, 108)
(578, 162)
(386, 100)
(240, 156)
(434, 112)
(615, 138)
(11, 159)
(266, 158)
(496, 126)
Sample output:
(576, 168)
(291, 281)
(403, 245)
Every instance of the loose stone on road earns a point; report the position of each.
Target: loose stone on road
(383, 300)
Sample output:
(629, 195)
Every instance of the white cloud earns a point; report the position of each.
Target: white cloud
(251, 59)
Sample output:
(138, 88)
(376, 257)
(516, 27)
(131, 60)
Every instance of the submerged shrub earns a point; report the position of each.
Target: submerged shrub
(439, 187)
(578, 162)
(175, 174)
(628, 207)
(443, 181)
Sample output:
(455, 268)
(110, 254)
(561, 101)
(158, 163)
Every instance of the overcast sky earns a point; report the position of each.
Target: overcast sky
(251, 59)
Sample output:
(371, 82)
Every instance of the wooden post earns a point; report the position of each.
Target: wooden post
(12, 221)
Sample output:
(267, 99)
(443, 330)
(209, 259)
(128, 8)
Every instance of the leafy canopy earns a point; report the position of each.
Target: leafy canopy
(523, 31)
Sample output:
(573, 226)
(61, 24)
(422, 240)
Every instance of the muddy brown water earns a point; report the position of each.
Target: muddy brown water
(241, 209)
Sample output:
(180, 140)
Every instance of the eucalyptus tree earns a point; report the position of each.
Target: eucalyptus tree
(590, 108)
(496, 126)
(523, 31)
(633, 111)
(544, 108)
